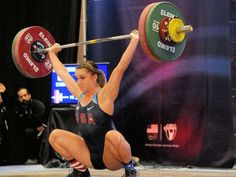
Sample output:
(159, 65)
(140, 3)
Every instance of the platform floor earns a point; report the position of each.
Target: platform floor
(145, 171)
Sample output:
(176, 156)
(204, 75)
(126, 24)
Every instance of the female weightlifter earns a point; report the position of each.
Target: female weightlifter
(98, 145)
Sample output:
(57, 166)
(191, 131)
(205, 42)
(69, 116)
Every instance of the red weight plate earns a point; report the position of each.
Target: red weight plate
(30, 64)
(142, 32)
(163, 31)
(16, 40)
(15, 55)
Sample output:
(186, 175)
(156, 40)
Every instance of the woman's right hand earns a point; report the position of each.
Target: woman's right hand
(134, 34)
(55, 48)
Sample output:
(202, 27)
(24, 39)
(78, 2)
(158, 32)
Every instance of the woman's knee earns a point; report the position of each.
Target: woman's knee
(54, 136)
(114, 137)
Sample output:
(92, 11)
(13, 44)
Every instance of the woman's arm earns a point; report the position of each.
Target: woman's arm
(111, 89)
(62, 71)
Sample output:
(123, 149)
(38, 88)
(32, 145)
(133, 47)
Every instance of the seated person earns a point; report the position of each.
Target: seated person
(26, 127)
(3, 131)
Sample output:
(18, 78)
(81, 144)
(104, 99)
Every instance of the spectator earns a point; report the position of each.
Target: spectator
(27, 126)
(3, 129)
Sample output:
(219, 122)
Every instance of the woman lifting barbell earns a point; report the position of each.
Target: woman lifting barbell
(98, 145)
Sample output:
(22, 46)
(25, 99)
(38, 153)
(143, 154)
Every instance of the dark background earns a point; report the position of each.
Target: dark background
(60, 18)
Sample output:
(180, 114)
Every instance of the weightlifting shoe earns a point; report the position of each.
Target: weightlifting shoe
(77, 173)
(130, 173)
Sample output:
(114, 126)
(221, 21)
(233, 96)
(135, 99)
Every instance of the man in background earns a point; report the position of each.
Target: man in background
(28, 122)
(3, 129)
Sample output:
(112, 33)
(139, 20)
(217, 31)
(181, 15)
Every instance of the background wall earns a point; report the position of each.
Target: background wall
(193, 93)
(232, 53)
(60, 18)
(190, 96)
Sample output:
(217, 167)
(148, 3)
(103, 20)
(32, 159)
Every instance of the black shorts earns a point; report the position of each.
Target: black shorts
(97, 160)
(96, 154)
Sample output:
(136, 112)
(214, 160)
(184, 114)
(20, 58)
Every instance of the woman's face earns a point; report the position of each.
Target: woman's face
(85, 79)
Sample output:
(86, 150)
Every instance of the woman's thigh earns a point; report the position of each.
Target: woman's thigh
(116, 150)
(71, 143)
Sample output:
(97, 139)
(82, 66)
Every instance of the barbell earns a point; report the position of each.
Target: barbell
(161, 29)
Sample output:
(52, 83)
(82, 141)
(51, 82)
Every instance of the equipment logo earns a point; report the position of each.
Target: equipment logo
(170, 131)
(156, 131)
(152, 131)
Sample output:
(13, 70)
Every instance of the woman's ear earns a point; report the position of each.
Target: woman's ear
(95, 77)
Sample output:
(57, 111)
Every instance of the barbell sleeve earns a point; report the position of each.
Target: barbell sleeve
(93, 41)
(184, 29)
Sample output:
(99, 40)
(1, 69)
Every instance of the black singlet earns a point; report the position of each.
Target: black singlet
(93, 124)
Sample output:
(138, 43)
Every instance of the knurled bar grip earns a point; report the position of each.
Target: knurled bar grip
(93, 41)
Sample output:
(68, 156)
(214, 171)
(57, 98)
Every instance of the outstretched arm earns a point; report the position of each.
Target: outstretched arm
(62, 71)
(111, 89)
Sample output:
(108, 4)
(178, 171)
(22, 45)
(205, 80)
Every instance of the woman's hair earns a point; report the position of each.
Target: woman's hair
(93, 68)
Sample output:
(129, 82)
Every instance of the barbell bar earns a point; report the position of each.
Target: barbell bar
(92, 41)
(179, 29)
(161, 29)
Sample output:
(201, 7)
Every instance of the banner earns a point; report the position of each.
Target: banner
(177, 112)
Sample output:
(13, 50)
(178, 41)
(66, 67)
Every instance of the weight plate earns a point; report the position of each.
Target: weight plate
(163, 31)
(142, 32)
(162, 51)
(26, 41)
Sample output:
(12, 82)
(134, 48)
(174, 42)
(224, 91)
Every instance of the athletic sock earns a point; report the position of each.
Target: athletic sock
(129, 165)
(77, 165)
